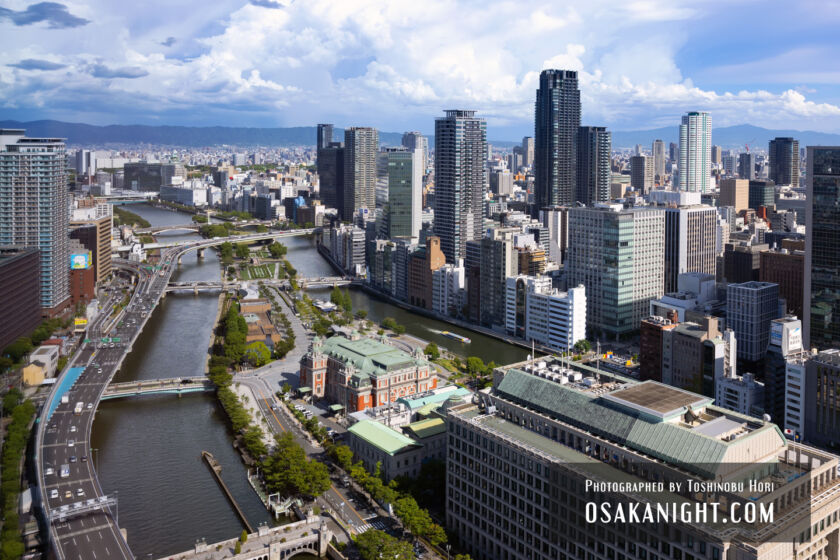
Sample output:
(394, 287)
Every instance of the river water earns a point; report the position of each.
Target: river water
(148, 449)
(306, 260)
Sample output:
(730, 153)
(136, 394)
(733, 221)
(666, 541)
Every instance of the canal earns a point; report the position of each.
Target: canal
(308, 262)
(148, 449)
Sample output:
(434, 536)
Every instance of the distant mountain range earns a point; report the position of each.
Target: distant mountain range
(193, 136)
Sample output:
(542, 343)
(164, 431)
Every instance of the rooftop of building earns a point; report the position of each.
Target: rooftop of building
(427, 428)
(436, 396)
(368, 356)
(669, 424)
(831, 356)
(381, 436)
(752, 285)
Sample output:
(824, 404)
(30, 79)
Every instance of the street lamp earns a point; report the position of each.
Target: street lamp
(448, 546)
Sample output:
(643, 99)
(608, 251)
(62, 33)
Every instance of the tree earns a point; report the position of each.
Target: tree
(475, 366)
(261, 228)
(288, 472)
(343, 455)
(286, 387)
(582, 346)
(277, 250)
(361, 314)
(375, 545)
(432, 351)
(463, 557)
(18, 349)
(257, 354)
(244, 536)
(238, 548)
(242, 251)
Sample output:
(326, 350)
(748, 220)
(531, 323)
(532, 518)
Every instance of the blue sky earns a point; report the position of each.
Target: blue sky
(397, 64)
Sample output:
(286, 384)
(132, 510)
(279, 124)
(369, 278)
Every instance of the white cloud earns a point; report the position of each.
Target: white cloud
(280, 66)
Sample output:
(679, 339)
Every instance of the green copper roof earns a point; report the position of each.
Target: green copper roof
(437, 398)
(381, 436)
(426, 428)
(682, 447)
(368, 356)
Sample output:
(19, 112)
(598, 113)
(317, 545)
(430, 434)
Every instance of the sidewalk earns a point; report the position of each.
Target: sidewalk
(245, 393)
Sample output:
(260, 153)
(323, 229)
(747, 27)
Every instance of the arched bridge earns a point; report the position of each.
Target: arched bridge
(175, 385)
(311, 536)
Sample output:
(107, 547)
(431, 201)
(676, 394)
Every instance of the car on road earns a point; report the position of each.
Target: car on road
(70, 443)
(54, 493)
(68, 494)
(84, 458)
(48, 471)
(72, 458)
(72, 429)
(80, 493)
(89, 405)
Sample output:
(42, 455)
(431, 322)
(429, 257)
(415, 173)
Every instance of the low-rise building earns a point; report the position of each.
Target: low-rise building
(361, 372)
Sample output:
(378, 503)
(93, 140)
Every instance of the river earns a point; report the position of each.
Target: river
(309, 263)
(149, 448)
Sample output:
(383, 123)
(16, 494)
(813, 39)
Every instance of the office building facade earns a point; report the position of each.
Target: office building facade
(404, 177)
(690, 234)
(460, 185)
(695, 152)
(641, 174)
(518, 462)
(548, 317)
(361, 146)
(750, 308)
(658, 151)
(330, 165)
(762, 194)
(618, 254)
(324, 136)
(35, 209)
(20, 301)
(787, 269)
(735, 193)
(822, 250)
(822, 403)
(746, 166)
(150, 177)
(416, 141)
(784, 161)
(556, 124)
(594, 145)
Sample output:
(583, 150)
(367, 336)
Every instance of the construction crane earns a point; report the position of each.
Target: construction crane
(747, 145)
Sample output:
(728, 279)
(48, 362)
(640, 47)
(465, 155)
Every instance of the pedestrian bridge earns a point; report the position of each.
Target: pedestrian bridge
(311, 536)
(174, 385)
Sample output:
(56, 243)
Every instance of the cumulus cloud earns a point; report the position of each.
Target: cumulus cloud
(129, 72)
(397, 64)
(36, 64)
(56, 15)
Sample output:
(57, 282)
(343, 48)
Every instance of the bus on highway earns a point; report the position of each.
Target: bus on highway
(79, 407)
(65, 470)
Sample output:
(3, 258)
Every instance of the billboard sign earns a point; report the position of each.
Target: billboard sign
(80, 261)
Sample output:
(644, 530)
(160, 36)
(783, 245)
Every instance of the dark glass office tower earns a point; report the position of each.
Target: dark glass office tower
(325, 135)
(556, 124)
(460, 151)
(822, 248)
(593, 165)
(784, 161)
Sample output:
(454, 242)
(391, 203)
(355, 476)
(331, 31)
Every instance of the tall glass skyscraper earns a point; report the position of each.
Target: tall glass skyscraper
(556, 124)
(784, 161)
(404, 176)
(593, 164)
(460, 151)
(822, 249)
(325, 135)
(695, 165)
(34, 208)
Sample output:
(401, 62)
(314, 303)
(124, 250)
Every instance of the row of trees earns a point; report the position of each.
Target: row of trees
(223, 229)
(391, 324)
(11, 540)
(123, 217)
(288, 471)
(287, 344)
(277, 250)
(342, 299)
(414, 518)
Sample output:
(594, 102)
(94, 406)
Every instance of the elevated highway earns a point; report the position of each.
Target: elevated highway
(82, 518)
(188, 246)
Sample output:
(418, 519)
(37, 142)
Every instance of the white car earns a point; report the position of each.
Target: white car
(48, 471)
(54, 493)
(70, 443)
(89, 405)
(72, 429)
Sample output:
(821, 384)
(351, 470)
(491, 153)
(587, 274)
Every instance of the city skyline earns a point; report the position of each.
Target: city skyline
(254, 64)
